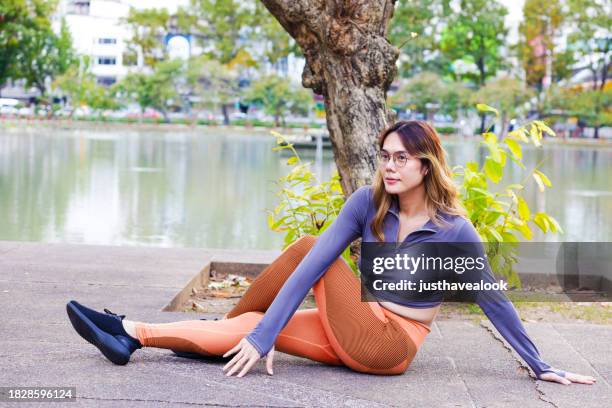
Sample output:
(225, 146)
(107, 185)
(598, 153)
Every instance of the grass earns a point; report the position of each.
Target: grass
(568, 312)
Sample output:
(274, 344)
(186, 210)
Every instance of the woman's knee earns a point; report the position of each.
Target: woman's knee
(302, 245)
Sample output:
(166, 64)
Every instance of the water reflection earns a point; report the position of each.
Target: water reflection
(212, 188)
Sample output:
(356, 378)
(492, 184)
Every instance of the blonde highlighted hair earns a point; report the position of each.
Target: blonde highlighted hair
(441, 194)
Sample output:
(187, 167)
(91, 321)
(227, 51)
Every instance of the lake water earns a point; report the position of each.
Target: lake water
(211, 188)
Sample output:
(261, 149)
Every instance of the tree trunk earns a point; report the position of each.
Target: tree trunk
(351, 64)
(503, 132)
(226, 120)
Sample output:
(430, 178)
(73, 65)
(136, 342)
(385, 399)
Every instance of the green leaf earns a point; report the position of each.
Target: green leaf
(472, 166)
(545, 179)
(545, 128)
(490, 140)
(486, 108)
(538, 180)
(536, 135)
(493, 232)
(523, 228)
(554, 225)
(292, 160)
(481, 191)
(519, 134)
(523, 209)
(492, 216)
(509, 237)
(514, 147)
(541, 220)
(493, 170)
(515, 186)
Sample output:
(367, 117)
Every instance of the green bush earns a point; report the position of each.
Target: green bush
(309, 206)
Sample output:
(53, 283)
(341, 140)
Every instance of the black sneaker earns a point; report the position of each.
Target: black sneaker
(103, 330)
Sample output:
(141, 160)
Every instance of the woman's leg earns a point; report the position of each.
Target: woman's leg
(303, 336)
(268, 283)
(361, 335)
(365, 336)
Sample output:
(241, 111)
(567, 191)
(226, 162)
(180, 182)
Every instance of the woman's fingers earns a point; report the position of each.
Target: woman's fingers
(245, 359)
(238, 365)
(234, 360)
(250, 363)
(569, 378)
(579, 378)
(234, 349)
(553, 377)
(270, 361)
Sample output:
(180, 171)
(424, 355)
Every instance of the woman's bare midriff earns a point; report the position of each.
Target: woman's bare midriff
(425, 316)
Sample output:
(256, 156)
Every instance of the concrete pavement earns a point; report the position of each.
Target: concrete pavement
(461, 364)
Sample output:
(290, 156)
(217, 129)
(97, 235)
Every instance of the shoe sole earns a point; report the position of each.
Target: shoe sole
(107, 344)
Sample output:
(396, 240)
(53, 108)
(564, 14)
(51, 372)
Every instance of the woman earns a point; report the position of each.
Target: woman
(412, 199)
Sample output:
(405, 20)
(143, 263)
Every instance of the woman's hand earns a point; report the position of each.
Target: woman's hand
(568, 379)
(246, 358)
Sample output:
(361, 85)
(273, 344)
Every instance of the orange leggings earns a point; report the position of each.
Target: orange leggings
(342, 330)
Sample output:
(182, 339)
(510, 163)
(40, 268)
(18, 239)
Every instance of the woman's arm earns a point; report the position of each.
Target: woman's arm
(501, 312)
(328, 247)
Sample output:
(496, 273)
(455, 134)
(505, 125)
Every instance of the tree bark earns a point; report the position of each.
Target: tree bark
(351, 64)
(225, 112)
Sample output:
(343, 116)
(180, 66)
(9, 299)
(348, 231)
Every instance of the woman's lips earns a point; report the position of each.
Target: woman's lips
(391, 180)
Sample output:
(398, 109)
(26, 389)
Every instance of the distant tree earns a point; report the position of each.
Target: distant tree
(147, 26)
(475, 34)
(79, 85)
(592, 42)
(15, 18)
(591, 38)
(507, 95)
(269, 34)
(540, 28)
(214, 84)
(221, 26)
(45, 55)
(158, 90)
(428, 93)
(29, 49)
(279, 97)
(415, 29)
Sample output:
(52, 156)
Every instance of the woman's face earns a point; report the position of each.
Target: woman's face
(400, 179)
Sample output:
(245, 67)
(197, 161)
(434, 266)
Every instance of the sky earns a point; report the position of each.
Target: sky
(515, 14)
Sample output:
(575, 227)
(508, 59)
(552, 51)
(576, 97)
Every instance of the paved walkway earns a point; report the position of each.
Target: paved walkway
(461, 364)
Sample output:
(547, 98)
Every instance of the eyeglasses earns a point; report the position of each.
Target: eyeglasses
(399, 158)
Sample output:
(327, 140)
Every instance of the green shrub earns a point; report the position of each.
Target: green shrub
(309, 206)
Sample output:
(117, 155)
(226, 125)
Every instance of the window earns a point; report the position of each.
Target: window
(79, 7)
(106, 81)
(107, 61)
(107, 41)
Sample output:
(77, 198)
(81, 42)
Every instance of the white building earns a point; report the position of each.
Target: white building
(98, 32)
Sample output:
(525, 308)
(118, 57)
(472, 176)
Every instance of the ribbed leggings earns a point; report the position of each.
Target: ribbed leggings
(341, 330)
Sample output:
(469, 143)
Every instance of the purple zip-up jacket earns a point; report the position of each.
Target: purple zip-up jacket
(353, 222)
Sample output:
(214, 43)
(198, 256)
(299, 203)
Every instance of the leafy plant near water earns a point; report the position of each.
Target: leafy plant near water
(500, 216)
(309, 206)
